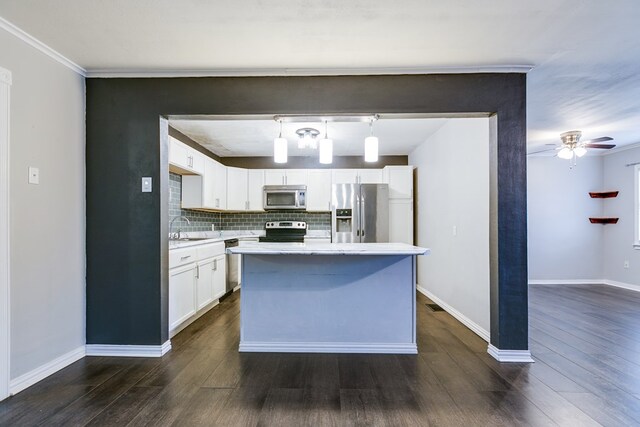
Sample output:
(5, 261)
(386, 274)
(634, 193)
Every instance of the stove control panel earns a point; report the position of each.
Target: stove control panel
(296, 225)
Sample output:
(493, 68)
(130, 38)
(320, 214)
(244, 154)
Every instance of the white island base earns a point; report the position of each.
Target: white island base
(327, 302)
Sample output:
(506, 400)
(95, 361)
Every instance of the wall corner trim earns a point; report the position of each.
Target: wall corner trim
(37, 44)
(42, 372)
(128, 350)
(510, 356)
(477, 329)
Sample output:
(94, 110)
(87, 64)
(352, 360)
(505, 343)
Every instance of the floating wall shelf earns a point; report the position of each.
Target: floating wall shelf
(603, 220)
(603, 194)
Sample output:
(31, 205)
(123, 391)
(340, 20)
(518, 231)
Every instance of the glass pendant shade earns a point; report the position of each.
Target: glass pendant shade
(580, 151)
(280, 150)
(565, 153)
(326, 151)
(371, 149)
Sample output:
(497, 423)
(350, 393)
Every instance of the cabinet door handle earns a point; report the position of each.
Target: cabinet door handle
(182, 258)
(197, 271)
(217, 203)
(215, 265)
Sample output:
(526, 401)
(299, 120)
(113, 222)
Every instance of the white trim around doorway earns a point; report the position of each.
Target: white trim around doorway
(5, 84)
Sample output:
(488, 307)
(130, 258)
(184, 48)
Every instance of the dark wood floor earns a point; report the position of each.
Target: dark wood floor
(585, 339)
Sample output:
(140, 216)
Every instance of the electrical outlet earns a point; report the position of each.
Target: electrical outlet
(34, 175)
(626, 264)
(213, 227)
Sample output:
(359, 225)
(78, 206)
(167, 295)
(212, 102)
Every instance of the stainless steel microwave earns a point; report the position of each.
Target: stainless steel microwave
(284, 197)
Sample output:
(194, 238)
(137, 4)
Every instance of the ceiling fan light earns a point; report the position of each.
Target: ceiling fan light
(280, 150)
(371, 149)
(580, 151)
(565, 153)
(326, 151)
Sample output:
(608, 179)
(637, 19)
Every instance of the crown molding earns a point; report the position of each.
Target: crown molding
(34, 42)
(281, 72)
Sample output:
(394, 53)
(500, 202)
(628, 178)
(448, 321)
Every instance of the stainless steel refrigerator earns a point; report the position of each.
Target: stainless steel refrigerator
(360, 213)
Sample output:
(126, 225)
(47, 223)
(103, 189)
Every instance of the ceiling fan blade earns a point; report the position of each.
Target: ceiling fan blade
(603, 146)
(595, 140)
(541, 151)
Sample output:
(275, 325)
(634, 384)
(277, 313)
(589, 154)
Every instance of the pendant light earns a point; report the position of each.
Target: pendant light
(280, 147)
(326, 148)
(371, 146)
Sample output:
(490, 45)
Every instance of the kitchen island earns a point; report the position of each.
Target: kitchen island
(328, 297)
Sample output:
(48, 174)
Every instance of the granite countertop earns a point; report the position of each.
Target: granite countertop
(212, 237)
(255, 248)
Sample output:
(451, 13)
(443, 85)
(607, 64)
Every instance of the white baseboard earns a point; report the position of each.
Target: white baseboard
(477, 329)
(622, 285)
(128, 350)
(510, 356)
(321, 347)
(567, 282)
(42, 372)
(607, 282)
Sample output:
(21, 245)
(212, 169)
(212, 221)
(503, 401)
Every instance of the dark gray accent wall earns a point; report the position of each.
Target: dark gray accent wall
(126, 229)
(339, 162)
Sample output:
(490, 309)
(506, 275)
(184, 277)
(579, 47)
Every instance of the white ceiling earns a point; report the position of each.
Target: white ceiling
(585, 53)
(232, 138)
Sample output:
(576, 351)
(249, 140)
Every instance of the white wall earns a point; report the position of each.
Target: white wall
(619, 238)
(47, 220)
(452, 189)
(563, 244)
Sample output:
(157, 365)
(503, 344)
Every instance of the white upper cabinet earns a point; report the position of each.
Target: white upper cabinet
(357, 176)
(319, 190)
(184, 159)
(255, 182)
(274, 176)
(207, 191)
(237, 189)
(296, 177)
(285, 177)
(400, 180)
(369, 176)
(220, 186)
(344, 176)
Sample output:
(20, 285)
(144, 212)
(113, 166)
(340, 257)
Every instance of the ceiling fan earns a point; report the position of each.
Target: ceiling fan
(572, 148)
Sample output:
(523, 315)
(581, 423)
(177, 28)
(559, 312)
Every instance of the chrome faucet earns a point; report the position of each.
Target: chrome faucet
(176, 236)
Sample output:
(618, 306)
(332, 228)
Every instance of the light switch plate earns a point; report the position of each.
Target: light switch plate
(146, 184)
(34, 175)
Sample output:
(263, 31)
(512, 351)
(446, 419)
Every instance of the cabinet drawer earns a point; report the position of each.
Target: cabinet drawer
(211, 250)
(178, 257)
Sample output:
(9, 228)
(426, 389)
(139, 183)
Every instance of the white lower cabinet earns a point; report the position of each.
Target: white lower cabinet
(219, 277)
(182, 294)
(205, 282)
(196, 280)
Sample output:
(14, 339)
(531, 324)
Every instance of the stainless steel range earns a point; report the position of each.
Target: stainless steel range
(285, 231)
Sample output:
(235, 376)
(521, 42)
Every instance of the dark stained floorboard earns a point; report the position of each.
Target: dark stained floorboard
(585, 340)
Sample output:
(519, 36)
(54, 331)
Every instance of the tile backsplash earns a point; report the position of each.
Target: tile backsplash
(201, 221)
